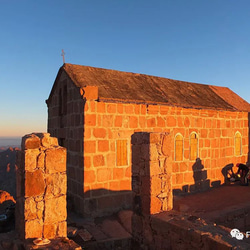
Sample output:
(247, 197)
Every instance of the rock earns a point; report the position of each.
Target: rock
(6, 200)
(5, 196)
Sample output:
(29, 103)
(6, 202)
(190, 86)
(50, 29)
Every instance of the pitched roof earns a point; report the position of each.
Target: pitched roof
(131, 87)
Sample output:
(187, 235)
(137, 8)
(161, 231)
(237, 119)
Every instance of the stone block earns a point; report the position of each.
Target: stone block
(44, 139)
(33, 229)
(90, 92)
(151, 122)
(166, 145)
(99, 132)
(154, 137)
(56, 185)
(40, 160)
(55, 160)
(40, 209)
(53, 141)
(90, 120)
(30, 210)
(55, 210)
(30, 141)
(49, 230)
(34, 183)
(30, 157)
(155, 205)
(62, 229)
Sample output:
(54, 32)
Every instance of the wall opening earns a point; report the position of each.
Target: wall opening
(178, 147)
(194, 146)
(238, 144)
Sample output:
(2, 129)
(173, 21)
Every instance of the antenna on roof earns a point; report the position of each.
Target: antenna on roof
(63, 56)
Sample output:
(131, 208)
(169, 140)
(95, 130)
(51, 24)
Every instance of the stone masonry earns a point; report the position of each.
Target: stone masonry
(91, 125)
(151, 172)
(41, 188)
(151, 179)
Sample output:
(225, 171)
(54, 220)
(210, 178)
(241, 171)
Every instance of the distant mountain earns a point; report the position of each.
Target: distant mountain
(7, 170)
(4, 148)
(6, 142)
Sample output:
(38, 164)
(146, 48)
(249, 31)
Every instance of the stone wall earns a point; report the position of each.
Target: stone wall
(172, 230)
(67, 126)
(151, 173)
(239, 218)
(91, 128)
(106, 122)
(151, 179)
(41, 188)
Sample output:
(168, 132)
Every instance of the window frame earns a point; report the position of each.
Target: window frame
(240, 137)
(197, 152)
(178, 134)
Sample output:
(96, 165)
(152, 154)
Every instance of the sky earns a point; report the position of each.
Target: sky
(191, 40)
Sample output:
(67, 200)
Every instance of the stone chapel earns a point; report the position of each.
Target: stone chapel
(95, 112)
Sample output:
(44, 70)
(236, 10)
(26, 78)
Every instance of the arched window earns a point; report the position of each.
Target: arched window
(238, 144)
(194, 146)
(178, 146)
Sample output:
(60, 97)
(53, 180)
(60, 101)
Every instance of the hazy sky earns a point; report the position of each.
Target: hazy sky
(204, 41)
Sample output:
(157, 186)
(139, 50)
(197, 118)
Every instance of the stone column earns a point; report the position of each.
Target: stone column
(41, 188)
(151, 180)
(151, 172)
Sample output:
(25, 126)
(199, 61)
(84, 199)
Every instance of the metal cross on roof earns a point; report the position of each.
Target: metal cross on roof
(63, 56)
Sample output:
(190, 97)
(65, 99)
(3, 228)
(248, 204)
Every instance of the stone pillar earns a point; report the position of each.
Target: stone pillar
(151, 172)
(41, 188)
(151, 181)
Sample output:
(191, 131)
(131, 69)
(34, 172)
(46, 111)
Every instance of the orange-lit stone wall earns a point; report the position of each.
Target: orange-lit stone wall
(151, 179)
(68, 128)
(106, 122)
(90, 129)
(41, 188)
(151, 173)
